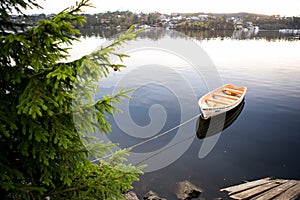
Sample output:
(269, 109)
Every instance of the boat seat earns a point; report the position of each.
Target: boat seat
(226, 96)
(233, 90)
(216, 101)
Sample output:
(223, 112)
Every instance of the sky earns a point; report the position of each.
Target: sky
(269, 7)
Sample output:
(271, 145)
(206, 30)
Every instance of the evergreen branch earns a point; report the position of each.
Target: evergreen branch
(43, 148)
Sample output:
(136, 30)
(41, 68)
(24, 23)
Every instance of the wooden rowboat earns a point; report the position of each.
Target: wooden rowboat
(221, 100)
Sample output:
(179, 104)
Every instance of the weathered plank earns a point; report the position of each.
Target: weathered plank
(275, 191)
(234, 91)
(291, 193)
(217, 101)
(226, 96)
(255, 191)
(266, 189)
(245, 186)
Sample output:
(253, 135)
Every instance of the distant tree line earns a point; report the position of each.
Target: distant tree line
(123, 19)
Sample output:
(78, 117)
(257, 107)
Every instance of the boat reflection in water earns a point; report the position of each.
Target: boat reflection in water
(214, 125)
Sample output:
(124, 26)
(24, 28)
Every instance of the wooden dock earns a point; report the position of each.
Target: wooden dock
(266, 188)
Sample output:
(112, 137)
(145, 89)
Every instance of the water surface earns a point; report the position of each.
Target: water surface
(264, 138)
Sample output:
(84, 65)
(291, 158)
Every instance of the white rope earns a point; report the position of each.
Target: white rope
(155, 137)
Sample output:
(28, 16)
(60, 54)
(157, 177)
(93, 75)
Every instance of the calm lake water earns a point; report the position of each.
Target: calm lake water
(261, 141)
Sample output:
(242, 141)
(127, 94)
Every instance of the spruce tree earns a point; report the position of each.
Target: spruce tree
(43, 152)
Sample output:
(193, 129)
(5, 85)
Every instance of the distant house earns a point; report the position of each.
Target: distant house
(249, 24)
(203, 17)
(104, 21)
(175, 14)
(171, 25)
(238, 23)
(177, 18)
(194, 18)
(163, 18)
(231, 19)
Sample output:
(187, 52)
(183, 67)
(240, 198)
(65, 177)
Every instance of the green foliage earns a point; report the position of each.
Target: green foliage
(44, 153)
(8, 7)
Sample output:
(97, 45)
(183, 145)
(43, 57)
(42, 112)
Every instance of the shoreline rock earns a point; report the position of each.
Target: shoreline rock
(152, 196)
(130, 195)
(186, 190)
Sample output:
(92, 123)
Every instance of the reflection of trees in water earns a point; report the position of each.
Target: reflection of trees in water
(103, 33)
(159, 33)
(153, 34)
(273, 36)
(208, 34)
(238, 35)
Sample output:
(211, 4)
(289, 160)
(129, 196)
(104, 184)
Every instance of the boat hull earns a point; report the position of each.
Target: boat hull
(210, 112)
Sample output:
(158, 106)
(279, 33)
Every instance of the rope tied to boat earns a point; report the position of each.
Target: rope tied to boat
(152, 138)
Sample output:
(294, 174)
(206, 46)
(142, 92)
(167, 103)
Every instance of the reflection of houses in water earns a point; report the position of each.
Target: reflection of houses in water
(251, 31)
(216, 124)
(245, 33)
(159, 33)
(237, 34)
(289, 31)
(293, 33)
